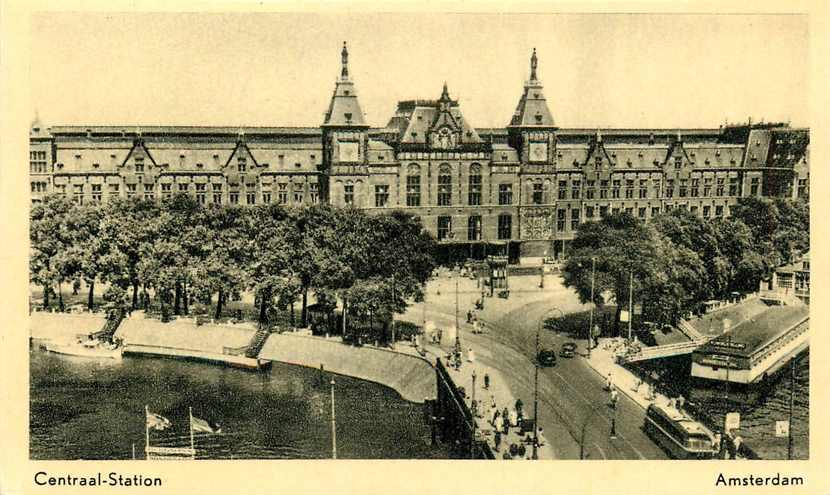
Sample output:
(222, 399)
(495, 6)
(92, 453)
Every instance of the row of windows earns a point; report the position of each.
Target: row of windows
(505, 227)
(607, 189)
(148, 193)
(563, 221)
(39, 187)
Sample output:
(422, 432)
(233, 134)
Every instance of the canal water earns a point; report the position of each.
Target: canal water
(759, 406)
(91, 409)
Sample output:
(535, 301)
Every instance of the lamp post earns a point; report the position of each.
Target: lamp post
(536, 383)
(591, 318)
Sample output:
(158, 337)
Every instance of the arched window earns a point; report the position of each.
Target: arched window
(444, 185)
(413, 185)
(474, 194)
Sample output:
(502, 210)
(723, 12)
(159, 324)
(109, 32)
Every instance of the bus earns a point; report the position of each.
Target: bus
(679, 435)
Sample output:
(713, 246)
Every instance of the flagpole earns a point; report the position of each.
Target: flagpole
(190, 424)
(146, 429)
(333, 425)
(630, 302)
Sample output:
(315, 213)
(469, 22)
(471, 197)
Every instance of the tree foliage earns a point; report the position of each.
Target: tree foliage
(182, 251)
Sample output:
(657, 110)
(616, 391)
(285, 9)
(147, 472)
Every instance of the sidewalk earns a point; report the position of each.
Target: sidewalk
(603, 361)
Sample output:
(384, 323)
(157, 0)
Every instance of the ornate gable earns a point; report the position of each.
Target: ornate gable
(598, 156)
(677, 156)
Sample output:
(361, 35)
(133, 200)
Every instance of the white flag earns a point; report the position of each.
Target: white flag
(200, 425)
(157, 422)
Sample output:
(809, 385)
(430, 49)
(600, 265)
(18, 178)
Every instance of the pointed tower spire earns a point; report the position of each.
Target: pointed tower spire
(445, 94)
(532, 109)
(344, 56)
(344, 109)
(533, 63)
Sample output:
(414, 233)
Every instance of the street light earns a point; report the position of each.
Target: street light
(591, 320)
(536, 383)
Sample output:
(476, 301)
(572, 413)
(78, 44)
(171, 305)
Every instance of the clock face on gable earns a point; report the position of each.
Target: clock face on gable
(538, 152)
(349, 152)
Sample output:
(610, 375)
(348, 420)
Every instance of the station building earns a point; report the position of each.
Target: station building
(520, 190)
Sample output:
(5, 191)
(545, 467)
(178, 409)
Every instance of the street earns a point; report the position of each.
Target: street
(572, 398)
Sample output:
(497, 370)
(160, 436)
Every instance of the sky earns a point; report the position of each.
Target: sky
(277, 69)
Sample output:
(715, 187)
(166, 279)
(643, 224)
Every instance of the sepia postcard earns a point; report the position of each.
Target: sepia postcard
(359, 248)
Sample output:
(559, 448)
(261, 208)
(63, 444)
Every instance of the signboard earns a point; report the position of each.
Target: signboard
(638, 309)
(727, 344)
(782, 428)
(733, 421)
(624, 315)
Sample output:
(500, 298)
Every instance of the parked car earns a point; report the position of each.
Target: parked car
(568, 350)
(547, 357)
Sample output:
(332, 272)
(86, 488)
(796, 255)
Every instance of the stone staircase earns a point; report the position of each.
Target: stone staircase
(257, 342)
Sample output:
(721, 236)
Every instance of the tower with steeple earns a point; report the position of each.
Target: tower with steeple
(345, 137)
(532, 130)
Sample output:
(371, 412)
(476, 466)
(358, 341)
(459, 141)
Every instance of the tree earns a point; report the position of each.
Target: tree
(49, 240)
(666, 277)
(271, 230)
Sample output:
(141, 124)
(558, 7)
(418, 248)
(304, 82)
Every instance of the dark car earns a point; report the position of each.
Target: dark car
(547, 357)
(568, 350)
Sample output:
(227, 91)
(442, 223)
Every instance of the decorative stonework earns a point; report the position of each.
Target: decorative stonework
(537, 223)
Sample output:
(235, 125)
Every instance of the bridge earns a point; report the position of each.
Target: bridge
(662, 351)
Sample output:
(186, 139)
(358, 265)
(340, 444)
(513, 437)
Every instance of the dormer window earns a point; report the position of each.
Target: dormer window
(757, 143)
(264, 165)
(538, 118)
(536, 95)
(598, 161)
(381, 157)
(420, 117)
(628, 162)
(242, 164)
(348, 116)
(346, 92)
(732, 161)
(706, 161)
(504, 157)
(298, 164)
(95, 165)
(414, 134)
(199, 165)
(112, 155)
(640, 154)
(717, 152)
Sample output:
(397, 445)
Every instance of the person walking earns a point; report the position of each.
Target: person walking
(519, 405)
(505, 422)
(486, 381)
(497, 440)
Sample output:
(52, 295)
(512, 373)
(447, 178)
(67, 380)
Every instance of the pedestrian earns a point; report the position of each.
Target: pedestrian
(505, 423)
(496, 417)
(521, 450)
(614, 398)
(519, 405)
(486, 381)
(608, 382)
(514, 418)
(471, 355)
(469, 317)
(497, 439)
(681, 401)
